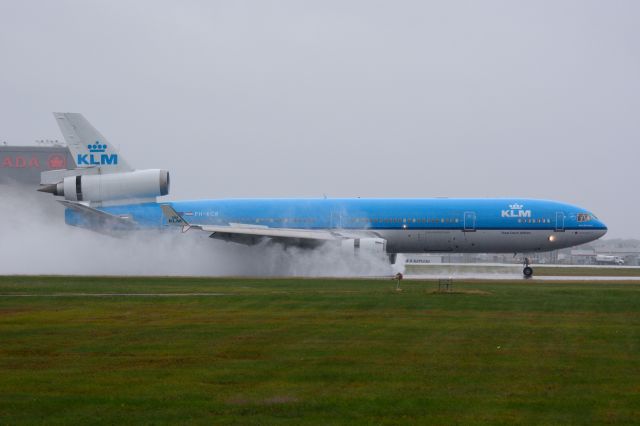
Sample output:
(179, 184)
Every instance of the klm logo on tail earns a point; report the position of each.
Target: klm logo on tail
(97, 156)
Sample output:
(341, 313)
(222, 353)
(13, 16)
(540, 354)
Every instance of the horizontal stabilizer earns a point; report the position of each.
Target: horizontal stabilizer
(97, 219)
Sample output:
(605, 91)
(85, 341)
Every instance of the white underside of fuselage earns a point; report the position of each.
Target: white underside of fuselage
(484, 241)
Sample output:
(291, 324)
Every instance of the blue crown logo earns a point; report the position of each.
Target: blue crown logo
(97, 147)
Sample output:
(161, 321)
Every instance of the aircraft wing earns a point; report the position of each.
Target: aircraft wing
(271, 232)
(251, 234)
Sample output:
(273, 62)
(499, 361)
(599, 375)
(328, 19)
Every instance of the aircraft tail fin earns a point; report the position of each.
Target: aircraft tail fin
(87, 145)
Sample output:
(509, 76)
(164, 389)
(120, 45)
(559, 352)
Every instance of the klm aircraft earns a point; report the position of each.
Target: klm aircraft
(105, 194)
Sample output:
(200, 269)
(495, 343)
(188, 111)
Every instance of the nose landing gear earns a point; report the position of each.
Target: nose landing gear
(527, 271)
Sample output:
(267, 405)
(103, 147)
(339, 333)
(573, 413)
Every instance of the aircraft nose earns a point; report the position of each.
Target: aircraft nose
(603, 229)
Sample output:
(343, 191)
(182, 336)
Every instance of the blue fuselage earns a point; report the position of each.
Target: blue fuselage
(410, 225)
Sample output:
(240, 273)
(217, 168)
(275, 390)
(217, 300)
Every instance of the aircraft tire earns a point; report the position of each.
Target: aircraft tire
(527, 272)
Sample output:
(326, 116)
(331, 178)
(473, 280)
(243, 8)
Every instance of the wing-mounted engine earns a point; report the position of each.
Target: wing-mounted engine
(112, 187)
(365, 246)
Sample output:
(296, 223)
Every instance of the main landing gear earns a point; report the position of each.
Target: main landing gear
(527, 271)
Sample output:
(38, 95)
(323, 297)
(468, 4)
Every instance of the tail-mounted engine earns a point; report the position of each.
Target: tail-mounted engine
(139, 184)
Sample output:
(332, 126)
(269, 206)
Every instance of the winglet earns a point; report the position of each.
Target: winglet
(174, 218)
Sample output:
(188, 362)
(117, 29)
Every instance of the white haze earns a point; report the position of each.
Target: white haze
(35, 240)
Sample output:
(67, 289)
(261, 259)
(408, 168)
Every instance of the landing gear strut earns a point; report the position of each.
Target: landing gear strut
(527, 271)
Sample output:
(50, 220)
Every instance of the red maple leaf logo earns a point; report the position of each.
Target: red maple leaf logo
(57, 161)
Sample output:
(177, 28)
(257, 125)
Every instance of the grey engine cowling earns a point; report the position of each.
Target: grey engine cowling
(139, 184)
(375, 246)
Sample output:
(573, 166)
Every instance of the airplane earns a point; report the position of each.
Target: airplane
(103, 193)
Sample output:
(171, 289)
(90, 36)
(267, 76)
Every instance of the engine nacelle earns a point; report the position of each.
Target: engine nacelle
(139, 184)
(358, 246)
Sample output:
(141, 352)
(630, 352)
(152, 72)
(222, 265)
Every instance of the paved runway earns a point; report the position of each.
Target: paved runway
(481, 276)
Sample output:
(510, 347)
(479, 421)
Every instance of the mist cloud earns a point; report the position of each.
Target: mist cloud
(35, 240)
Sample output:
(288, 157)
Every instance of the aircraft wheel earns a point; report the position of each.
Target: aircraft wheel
(527, 271)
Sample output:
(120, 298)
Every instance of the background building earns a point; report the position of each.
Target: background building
(23, 164)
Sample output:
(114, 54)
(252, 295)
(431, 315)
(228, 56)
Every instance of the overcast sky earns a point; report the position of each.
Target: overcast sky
(349, 98)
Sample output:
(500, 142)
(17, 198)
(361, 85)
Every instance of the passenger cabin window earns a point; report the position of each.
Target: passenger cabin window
(584, 217)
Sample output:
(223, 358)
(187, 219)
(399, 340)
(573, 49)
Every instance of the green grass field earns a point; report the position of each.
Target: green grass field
(292, 351)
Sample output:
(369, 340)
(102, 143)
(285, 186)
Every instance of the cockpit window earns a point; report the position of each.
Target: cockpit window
(584, 217)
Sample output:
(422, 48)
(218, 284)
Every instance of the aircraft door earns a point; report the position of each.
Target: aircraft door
(469, 221)
(336, 219)
(559, 222)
